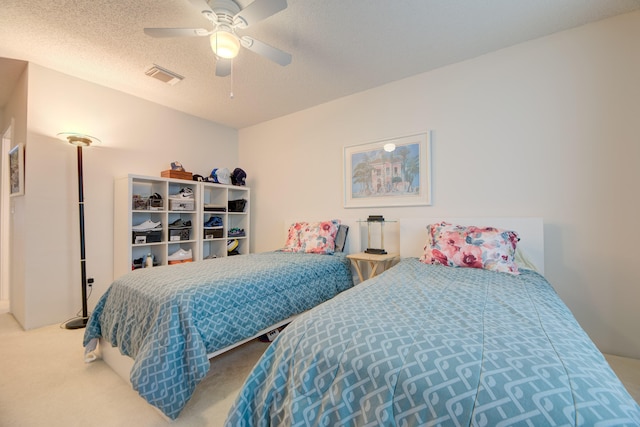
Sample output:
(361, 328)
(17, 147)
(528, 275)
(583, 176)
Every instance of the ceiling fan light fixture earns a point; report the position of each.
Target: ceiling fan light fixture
(225, 44)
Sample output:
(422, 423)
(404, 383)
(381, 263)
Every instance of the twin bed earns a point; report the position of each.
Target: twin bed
(169, 321)
(428, 344)
(420, 344)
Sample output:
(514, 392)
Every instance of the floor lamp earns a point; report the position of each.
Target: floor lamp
(80, 140)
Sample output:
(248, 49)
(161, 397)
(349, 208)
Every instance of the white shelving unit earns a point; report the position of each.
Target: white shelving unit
(217, 195)
(132, 208)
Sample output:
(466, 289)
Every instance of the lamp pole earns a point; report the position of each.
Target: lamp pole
(80, 141)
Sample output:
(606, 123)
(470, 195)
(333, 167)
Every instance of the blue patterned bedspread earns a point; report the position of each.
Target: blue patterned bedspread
(425, 345)
(169, 318)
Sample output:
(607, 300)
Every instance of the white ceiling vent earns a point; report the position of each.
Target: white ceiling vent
(164, 75)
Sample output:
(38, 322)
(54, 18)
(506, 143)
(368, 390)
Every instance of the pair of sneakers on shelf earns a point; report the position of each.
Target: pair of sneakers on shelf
(180, 256)
(236, 232)
(179, 223)
(148, 225)
(213, 222)
(184, 193)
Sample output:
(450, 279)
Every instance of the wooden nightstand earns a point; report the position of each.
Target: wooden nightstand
(373, 260)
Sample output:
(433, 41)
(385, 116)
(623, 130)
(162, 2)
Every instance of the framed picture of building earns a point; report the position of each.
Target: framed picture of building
(391, 172)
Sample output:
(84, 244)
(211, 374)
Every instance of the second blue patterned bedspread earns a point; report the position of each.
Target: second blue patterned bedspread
(424, 345)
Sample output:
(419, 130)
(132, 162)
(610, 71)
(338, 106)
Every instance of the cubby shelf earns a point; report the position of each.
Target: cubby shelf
(133, 206)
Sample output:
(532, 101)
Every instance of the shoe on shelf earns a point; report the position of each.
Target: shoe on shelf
(236, 232)
(213, 222)
(185, 193)
(232, 245)
(148, 225)
(212, 256)
(155, 201)
(179, 223)
(180, 256)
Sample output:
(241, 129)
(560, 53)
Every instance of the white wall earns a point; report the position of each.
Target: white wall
(16, 110)
(546, 128)
(138, 137)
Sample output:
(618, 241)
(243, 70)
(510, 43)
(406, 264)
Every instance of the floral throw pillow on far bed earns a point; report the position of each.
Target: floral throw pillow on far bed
(312, 237)
(488, 248)
(293, 240)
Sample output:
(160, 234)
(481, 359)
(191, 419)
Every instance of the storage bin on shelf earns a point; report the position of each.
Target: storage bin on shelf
(213, 233)
(179, 234)
(237, 205)
(139, 202)
(183, 204)
(145, 203)
(142, 237)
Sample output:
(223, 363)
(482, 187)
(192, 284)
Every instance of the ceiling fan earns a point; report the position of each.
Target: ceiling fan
(226, 16)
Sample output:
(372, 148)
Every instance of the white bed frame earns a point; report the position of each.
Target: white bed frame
(413, 234)
(122, 364)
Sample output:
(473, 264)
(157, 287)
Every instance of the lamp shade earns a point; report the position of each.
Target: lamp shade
(78, 139)
(225, 44)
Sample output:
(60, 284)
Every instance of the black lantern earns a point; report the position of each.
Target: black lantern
(375, 235)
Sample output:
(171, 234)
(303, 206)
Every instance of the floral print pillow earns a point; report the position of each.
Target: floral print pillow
(488, 248)
(293, 237)
(312, 237)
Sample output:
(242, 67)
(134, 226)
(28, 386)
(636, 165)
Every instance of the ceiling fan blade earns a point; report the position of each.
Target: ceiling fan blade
(201, 5)
(276, 55)
(257, 11)
(223, 67)
(176, 32)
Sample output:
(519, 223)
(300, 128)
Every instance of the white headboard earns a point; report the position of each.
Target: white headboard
(413, 234)
(353, 237)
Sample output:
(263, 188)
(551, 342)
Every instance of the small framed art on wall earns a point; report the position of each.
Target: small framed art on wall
(16, 170)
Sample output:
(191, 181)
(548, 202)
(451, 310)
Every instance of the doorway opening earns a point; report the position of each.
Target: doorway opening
(5, 216)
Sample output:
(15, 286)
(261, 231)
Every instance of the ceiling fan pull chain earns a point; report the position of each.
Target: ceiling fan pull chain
(231, 73)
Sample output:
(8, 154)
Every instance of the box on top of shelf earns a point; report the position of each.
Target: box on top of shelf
(177, 174)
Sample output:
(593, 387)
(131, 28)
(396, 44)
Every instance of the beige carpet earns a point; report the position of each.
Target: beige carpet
(44, 382)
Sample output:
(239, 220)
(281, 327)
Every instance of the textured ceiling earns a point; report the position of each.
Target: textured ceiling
(339, 47)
